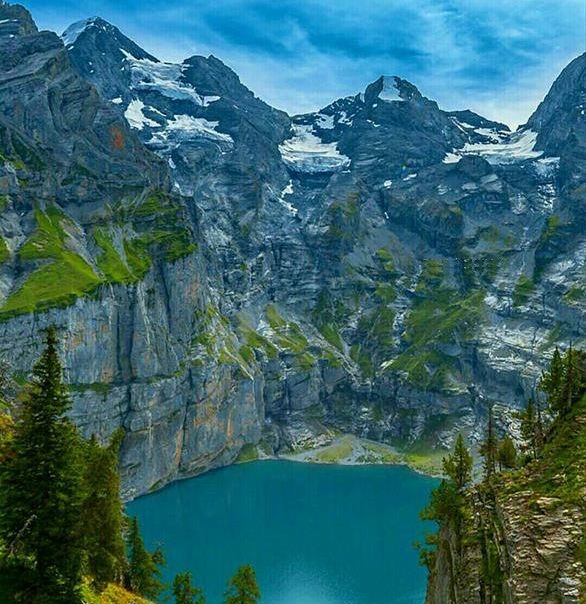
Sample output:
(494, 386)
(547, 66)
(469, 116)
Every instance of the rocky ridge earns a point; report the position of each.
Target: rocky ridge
(238, 277)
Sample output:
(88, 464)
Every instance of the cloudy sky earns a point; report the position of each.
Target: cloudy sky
(497, 57)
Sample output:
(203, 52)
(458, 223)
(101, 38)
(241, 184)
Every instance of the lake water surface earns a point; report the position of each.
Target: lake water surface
(316, 534)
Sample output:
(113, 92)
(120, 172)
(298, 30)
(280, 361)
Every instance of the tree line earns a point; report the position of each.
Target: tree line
(62, 523)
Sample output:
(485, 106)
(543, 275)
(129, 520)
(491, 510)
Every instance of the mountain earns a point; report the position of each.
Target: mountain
(228, 278)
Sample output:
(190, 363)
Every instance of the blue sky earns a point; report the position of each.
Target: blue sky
(497, 57)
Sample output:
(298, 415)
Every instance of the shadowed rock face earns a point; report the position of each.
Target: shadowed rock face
(231, 275)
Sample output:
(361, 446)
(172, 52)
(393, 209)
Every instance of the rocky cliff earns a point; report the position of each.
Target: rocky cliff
(224, 275)
(523, 539)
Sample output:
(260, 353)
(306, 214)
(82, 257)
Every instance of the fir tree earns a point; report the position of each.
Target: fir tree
(529, 427)
(507, 453)
(243, 588)
(551, 383)
(444, 504)
(458, 465)
(41, 487)
(144, 567)
(574, 380)
(184, 592)
(489, 448)
(103, 514)
(565, 381)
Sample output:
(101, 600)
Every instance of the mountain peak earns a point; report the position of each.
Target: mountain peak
(15, 20)
(391, 89)
(70, 35)
(103, 36)
(561, 113)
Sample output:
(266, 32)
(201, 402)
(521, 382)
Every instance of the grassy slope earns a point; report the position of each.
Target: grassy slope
(56, 273)
(561, 471)
(63, 274)
(113, 594)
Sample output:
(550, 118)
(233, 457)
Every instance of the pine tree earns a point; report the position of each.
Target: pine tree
(184, 592)
(445, 503)
(551, 383)
(458, 465)
(507, 453)
(144, 572)
(529, 427)
(574, 382)
(489, 448)
(565, 382)
(41, 487)
(243, 588)
(102, 513)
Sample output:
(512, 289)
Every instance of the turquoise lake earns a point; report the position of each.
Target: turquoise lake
(316, 534)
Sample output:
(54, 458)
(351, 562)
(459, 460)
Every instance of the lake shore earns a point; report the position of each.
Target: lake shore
(351, 450)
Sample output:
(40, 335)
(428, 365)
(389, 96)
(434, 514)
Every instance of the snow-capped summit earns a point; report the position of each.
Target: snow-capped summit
(107, 38)
(390, 89)
(195, 108)
(70, 35)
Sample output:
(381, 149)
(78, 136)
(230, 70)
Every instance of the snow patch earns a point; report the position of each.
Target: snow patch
(344, 119)
(128, 56)
(207, 100)
(451, 158)
(136, 117)
(390, 90)
(164, 78)
(547, 166)
(325, 122)
(288, 190)
(306, 152)
(517, 147)
(70, 35)
(492, 134)
(196, 126)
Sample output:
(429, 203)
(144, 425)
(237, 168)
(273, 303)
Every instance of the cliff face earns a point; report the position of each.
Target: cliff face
(222, 274)
(523, 539)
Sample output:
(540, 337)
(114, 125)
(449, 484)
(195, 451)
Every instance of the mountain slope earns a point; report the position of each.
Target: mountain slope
(237, 277)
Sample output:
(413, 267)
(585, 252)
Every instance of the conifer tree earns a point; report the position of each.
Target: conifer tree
(565, 382)
(144, 567)
(552, 381)
(458, 465)
(489, 448)
(529, 427)
(41, 487)
(574, 382)
(102, 513)
(507, 453)
(243, 588)
(184, 591)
